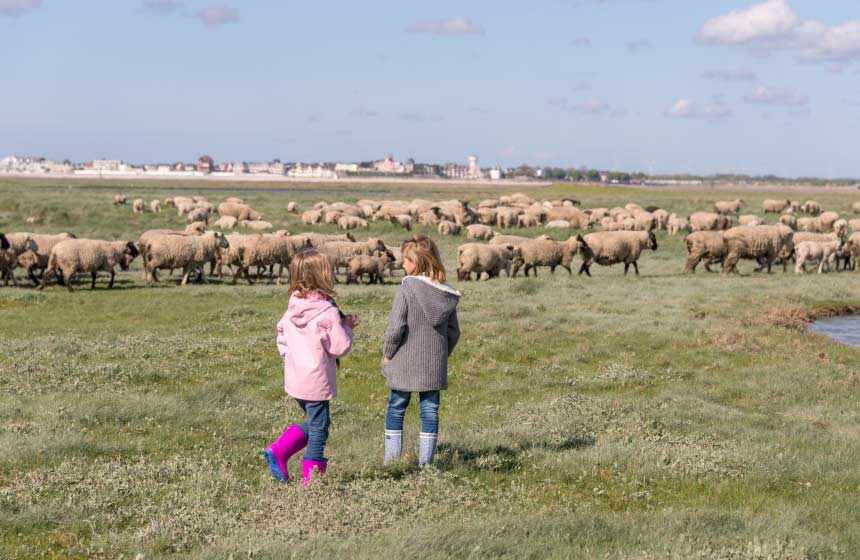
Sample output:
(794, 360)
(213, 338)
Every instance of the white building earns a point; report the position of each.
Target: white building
(346, 167)
(471, 171)
(311, 172)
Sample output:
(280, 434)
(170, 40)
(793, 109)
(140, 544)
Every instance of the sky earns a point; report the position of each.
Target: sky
(659, 86)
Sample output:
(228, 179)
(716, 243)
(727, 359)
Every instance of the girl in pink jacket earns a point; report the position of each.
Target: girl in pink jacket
(312, 335)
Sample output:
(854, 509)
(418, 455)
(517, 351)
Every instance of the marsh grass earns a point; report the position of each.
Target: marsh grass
(665, 416)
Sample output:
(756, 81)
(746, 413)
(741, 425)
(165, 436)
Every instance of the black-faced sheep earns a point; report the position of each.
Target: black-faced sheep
(181, 251)
(727, 207)
(479, 231)
(773, 206)
(539, 252)
(614, 247)
(764, 244)
(238, 211)
(88, 255)
(707, 246)
(479, 258)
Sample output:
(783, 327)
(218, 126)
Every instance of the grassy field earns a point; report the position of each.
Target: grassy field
(665, 416)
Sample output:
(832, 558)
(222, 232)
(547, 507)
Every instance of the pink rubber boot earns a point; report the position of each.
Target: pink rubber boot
(308, 468)
(278, 453)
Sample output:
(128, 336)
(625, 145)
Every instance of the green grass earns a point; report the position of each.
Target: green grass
(652, 417)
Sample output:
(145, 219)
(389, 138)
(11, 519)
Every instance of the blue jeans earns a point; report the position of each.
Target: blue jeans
(316, 428)
(428, 408)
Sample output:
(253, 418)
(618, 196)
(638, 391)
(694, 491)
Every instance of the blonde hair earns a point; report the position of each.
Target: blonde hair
(423, 252)
(310, 271)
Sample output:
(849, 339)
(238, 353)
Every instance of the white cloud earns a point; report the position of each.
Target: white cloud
(14, 8)
(217, 15)
(743, 75)
(768, 96)
(448, 27)
(688, 109)
(774, 24)
(592, 107)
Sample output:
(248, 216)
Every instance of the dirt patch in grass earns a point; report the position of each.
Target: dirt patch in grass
(800, 318)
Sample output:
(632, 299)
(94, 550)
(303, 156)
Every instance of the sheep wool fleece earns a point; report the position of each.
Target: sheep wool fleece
(422, 332)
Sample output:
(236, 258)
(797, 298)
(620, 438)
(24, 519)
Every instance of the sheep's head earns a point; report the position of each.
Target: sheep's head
(4, 243)
(129, 253)
(351, 237)
(652, 241)
(220, 240)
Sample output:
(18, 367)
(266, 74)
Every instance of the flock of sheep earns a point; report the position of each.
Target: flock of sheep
(713, 238)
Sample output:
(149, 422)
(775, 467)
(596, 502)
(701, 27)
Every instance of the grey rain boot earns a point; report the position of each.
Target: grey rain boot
(393, 445)
(426, 448)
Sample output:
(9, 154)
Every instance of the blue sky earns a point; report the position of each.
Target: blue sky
(767, 86)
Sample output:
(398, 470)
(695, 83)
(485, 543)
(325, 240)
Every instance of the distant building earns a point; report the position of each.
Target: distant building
(312, 172)
(346, 167)
(496, 174)
(471, 171)
(205, 164)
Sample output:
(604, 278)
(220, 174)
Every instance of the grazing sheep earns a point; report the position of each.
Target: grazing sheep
(488, 203)
(644, 221)
(266, 251)
(527, 221)
(675, 225)
(825, 252)
(728, 207)
(168, 202)
(608, 224)
(506, 216)
(854, 225)
(238, 211)
(707, 246)
(486, 216)
(187, 252)
(12, 246)
(119, 200)
(577, 218)
(339, 253)
(397, 263)
(256, 225)
(480, 258)
(138, 206)
(855, 207)
(155, 206)
(750, 220)
(662, 217)
(614, 247)
(539, 252)
(840, 227)
(558, 224)
(372, 265)
(811, 207)
(88, 255)
(332, 216)
(771, 206)
(352, 222)
(709, 221)
(854, 249)
(38, 259)
(479, 231)
(449, 228)
(516, 240)
(789, 220)
(431, 217)
(823, 223)
(234, 200)
(319, 239)
(312, 217)
(197, 215)
(765, 244)
(293, 207)
(226, 222)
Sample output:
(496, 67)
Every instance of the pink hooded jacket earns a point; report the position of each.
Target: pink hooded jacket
(310, 339)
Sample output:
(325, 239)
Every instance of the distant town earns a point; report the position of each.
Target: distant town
(385, 168)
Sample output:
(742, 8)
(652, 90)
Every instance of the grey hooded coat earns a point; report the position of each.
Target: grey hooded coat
(422, 332)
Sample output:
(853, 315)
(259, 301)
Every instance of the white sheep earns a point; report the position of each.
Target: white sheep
(480, 258)
(88, 255)
(614, 247)
(479, 231)
(187, 252)
(447, 227)
(138, 206)
(825, 252)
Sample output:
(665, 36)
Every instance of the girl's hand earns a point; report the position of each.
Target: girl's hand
(351, 321)
(386, 360)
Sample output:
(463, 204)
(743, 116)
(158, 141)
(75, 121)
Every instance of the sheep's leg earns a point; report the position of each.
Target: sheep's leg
(636, 267)
(93, 274)
(626, 267)
(692, 263)
(69, 279)
(186, 273)
(32, 276)
(584, 268)
(112, 276)
(247, 272)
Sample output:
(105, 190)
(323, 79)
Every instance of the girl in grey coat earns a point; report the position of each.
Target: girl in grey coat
(422, 332)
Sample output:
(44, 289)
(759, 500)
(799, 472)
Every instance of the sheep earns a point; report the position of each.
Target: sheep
(811, 207)
(676, 225)
(613, 247)
(38, 259)
(789, 220)
(558, 224)
(854, 225)
(267, 250)
(479, 231)
(855, 207)
(449, 228)
(155, 206)
(138, 206)
(488, 203)
(516, 240)
(397, 262)
(88, 255)
(771, 206)
(119, 200)
(13, 246)
(840, 227)
(182, 201)
(644, 221)
(181, 251)
(728, 207)
(539, 252)
(372, 265)
(854, 249)
(238, 211)
(608, 224)
(506, 216)
(527, 221)
(168, 202)
(319, 239)
(825, 252)
(331, 217)
(486, 216)
(479, 258)
(293, 207)
(197, 215)
(823, 223)
(352, 222)
(234, 200)
(750, 220)
(312, 217)
(226, 222)
(577, 218)
(708, 246)
(709, 221)
(762, 243)
(256, 225)
(662, 217)
(632, 207)
(339, 253)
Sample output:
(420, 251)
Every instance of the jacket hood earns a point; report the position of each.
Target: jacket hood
(438, 300)
(302, 311)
